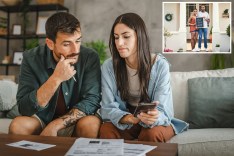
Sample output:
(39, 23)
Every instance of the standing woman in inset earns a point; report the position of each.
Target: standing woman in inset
(193, 29)
(135, 75)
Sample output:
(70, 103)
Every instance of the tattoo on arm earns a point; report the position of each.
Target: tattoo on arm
(72, 117)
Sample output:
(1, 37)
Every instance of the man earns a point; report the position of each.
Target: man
(59, 84)
(203, 30)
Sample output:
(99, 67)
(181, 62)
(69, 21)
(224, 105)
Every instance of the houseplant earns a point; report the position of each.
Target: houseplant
(32, 43)
(210, 35)
(100, 47)
(180, 50)
(217, 48)
(166, 34)
(221, 61)
(228, 30)
(217, 61)
(226, 13)
(24, 8)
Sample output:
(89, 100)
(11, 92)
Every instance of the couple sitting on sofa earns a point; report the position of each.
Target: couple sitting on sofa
(60, 85)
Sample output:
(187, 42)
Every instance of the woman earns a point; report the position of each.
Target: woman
(131, 76)
(193, 29)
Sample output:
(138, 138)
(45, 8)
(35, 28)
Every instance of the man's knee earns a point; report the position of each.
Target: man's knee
(24, 125)
(156, 134)
(109, 131)
(88, 126)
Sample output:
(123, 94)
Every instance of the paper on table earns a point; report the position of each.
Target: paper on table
(137, 149)
(31, 145)
(96, 147)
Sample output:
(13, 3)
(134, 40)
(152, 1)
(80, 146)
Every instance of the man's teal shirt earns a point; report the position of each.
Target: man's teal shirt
(38, 65)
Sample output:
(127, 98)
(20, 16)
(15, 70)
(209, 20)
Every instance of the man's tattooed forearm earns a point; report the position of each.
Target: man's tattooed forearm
(72, 117)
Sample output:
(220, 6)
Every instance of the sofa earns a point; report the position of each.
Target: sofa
(212, 141)
(203, 141)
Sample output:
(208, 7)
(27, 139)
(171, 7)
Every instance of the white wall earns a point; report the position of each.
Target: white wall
(174, 9)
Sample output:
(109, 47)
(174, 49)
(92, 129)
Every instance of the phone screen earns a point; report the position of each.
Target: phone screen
(144, 107)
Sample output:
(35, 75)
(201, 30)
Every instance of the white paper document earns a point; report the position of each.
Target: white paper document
(31, 145)
(96, 147)
(137, 149)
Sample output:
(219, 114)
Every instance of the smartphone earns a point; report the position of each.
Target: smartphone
(144, 107)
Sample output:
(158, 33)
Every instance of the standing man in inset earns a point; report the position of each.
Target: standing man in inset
(59, 84)
(204, 29)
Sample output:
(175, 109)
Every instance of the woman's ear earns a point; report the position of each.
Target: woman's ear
(50, 44)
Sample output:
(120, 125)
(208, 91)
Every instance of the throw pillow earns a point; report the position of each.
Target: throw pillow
(8, 90)
(211, 102)
(14, 112)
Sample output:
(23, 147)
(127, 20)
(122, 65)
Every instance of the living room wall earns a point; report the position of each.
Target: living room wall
(97, 17)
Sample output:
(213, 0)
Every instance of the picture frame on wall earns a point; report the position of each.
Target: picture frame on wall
(18, 57)
(16, 30)
(41, 25)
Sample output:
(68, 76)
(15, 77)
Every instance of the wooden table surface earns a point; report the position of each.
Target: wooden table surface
(63, 144)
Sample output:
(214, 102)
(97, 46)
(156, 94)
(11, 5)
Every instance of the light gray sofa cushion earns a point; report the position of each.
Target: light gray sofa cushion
(205, 142)
(8, 90)
(4, 125)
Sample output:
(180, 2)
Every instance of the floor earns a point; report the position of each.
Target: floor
(189, 49)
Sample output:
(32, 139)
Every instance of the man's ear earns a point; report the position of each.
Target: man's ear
(50, 44)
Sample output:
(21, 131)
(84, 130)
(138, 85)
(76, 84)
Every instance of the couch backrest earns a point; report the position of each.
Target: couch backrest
(180, 88)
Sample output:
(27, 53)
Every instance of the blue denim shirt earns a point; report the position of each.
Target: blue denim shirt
(159, 89)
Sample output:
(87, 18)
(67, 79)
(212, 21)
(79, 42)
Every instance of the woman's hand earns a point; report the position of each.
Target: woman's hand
(129, 119)
(150, 117)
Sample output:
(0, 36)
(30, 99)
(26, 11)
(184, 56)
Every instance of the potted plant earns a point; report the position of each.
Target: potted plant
(100, 48)
(228, 30)
(217, 47)
(210, 35)
(217, 61)
(180, 50)
(166, 34)
(225, 13)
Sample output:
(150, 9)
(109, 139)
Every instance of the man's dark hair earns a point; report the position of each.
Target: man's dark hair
(61, 22)
(202, 5)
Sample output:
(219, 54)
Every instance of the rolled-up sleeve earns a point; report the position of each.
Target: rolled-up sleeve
(110, 108)
(27, 90)
(162, 93)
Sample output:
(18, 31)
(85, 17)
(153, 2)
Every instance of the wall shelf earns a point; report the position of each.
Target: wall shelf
(24, 36)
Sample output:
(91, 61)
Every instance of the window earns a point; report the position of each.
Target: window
(191, 6)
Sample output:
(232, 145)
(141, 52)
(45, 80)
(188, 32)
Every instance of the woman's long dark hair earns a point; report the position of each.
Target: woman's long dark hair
(136, 23)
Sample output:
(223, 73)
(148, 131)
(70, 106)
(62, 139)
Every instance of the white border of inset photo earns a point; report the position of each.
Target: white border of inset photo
(176, 35)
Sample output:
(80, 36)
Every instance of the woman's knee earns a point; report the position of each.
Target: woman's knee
(156, 134)
(109, 131)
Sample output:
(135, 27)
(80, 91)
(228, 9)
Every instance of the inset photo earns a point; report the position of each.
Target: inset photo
(196, 27)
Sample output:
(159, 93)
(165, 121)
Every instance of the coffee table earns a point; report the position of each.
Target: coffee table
(64, 143)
